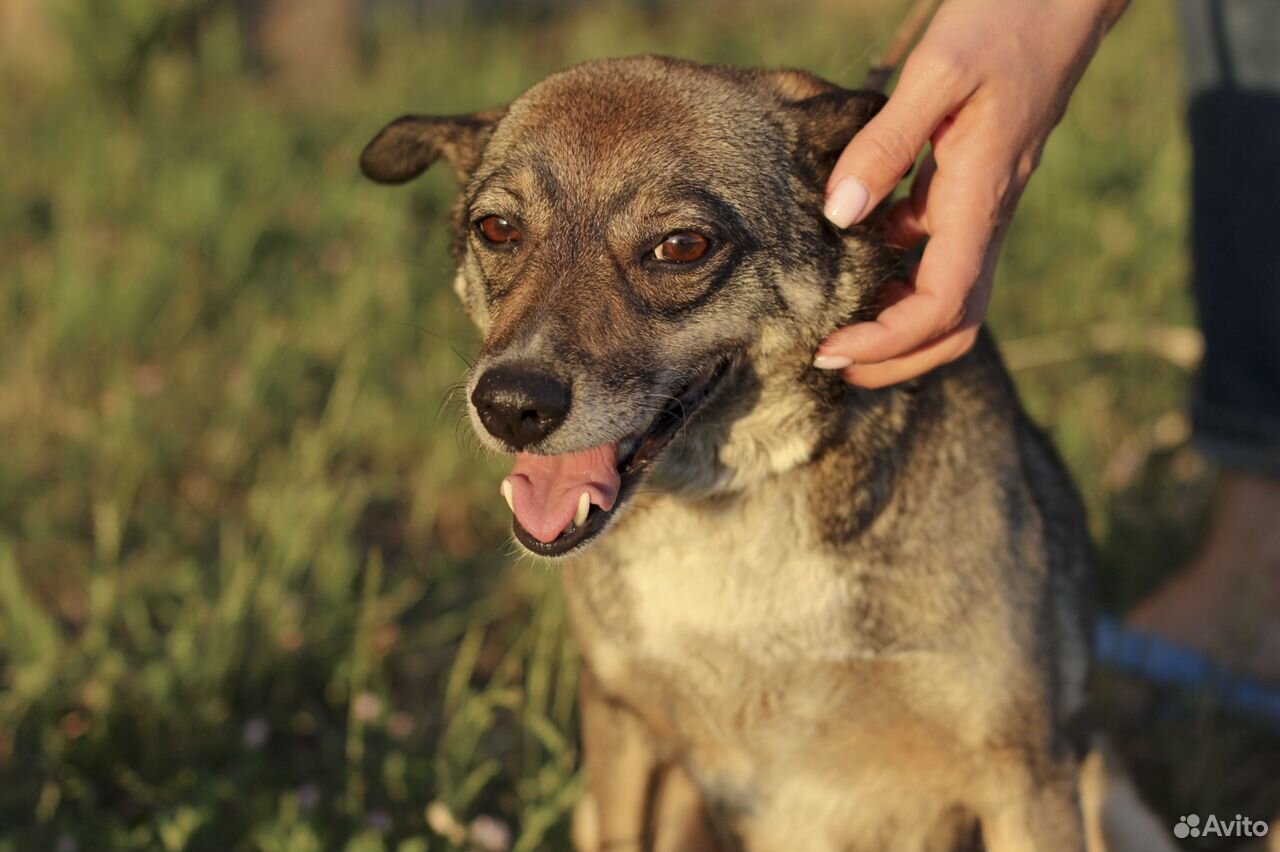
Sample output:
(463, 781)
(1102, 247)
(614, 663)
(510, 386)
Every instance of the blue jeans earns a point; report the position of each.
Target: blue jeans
(1233, 75)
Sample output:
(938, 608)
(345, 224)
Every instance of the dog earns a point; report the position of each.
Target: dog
(812, 616)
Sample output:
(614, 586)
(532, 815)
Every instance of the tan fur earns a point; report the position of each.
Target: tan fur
(827, 619)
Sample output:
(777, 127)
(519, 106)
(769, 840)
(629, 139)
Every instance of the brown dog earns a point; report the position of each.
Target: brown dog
(813, 617)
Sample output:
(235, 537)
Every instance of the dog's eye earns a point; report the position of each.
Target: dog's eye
(495, 229)
(682, 247)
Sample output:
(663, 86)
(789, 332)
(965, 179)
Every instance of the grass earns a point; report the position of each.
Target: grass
(254, 585)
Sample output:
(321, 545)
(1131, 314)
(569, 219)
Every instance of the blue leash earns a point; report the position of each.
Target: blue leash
(1122, 648)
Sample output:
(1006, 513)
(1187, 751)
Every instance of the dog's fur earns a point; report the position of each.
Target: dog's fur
(831, 618)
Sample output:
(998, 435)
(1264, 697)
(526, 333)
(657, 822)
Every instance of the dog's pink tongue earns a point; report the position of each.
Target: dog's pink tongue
(545, 490)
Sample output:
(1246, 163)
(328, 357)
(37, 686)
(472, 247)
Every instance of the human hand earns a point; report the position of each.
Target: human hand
(985, 86)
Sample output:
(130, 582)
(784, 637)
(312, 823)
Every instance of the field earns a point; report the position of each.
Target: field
(255, 586)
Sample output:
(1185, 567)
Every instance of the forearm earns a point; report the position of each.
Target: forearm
(1112, 10)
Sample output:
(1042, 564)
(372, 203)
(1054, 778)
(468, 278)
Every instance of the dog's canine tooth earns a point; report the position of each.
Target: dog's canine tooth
(507, 493)
(584, 506)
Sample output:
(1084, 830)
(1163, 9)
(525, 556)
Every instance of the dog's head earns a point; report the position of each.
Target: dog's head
(641, 242)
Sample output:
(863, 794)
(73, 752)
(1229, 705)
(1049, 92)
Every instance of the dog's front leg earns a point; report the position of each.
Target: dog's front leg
(634, 802)
(1032, 809)
(680, 821)
(620, 766)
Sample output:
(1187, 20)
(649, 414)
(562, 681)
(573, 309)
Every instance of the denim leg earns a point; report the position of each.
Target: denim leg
(1233, 76)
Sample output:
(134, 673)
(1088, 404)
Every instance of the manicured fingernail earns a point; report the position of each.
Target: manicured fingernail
(831, 362)
(846, 202)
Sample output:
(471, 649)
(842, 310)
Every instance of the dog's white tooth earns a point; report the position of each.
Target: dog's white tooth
(584, 506)
(507, 493)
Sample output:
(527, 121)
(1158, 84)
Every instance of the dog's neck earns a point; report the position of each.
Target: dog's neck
(796, 414)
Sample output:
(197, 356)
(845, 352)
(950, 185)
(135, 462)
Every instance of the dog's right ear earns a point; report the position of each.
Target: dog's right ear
(407, 146)
(828, 120)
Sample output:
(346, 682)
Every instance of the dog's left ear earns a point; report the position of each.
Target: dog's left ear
(827, 121)
(407, 146)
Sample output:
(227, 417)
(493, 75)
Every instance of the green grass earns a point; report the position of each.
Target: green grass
(255, 590)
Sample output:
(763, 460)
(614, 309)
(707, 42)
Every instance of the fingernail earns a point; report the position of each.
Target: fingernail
(846, 202)
(831, 362)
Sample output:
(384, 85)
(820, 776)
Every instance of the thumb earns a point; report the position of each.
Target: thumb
(882, 152)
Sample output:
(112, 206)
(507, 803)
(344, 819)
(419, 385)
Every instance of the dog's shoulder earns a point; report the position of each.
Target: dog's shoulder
(954, 433)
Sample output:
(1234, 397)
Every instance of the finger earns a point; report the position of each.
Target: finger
(954, 262)
(911, 366)
(941, 351)
(907, 223)
(923, 182)
(903, 226)
(892, 293)
(884, 150)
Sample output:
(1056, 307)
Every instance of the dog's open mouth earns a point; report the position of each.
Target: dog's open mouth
(561, 502)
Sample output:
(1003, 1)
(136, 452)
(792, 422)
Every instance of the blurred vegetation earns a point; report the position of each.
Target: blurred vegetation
(255, 590)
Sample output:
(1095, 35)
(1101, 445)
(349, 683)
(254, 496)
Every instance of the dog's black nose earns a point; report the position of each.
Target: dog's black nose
(520, 406)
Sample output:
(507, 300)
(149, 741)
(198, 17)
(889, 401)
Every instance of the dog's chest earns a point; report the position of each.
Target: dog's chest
(730, 629)
(742, 644)
(711, 587)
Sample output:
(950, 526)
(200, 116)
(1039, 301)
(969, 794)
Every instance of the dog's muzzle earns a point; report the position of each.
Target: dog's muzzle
(561, 502)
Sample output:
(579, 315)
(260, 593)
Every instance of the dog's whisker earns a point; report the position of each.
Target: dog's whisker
(436, 335)
(450, 397)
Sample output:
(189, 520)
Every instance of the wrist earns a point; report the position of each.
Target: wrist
(1089, 21)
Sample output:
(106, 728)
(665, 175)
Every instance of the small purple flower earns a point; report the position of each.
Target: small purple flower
(378, 820)
(367, 707)
(490, 834)
(256, 732)
(308, 796)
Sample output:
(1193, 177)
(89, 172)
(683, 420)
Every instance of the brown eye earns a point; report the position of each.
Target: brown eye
(495, 229)
(682, 247)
